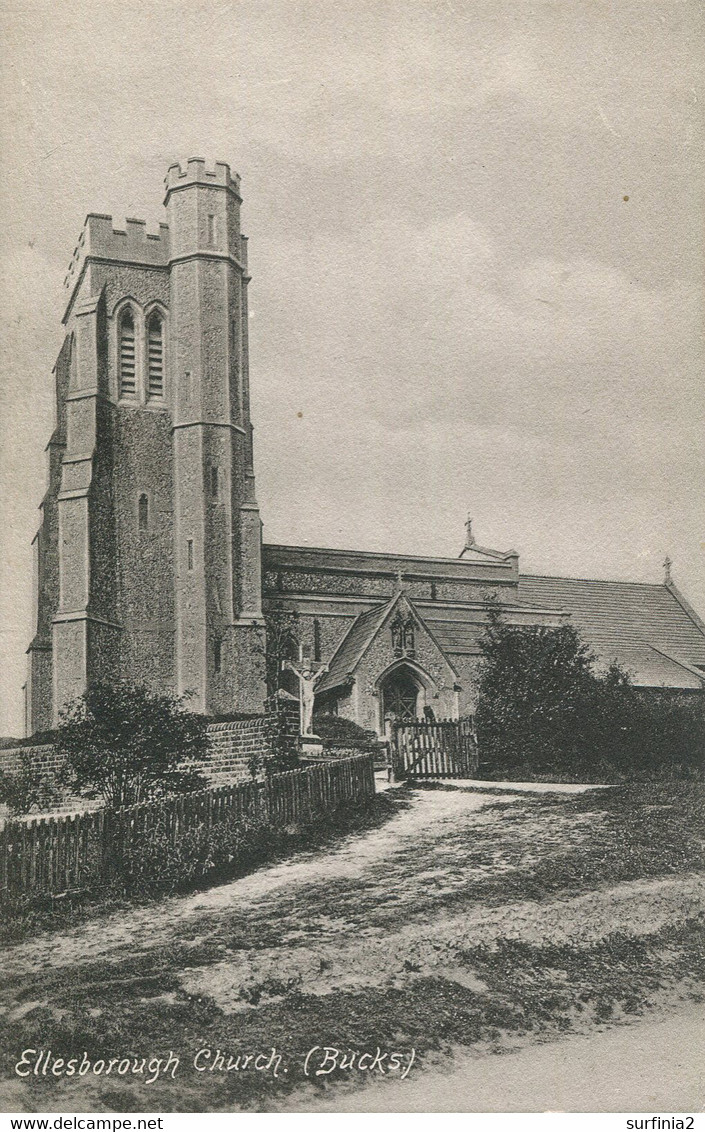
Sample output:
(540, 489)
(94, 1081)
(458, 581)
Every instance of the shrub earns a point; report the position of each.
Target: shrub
(126, 745)
(28, 789)
(543, 705)
(162, 866)
(337, 730)
(283, 638)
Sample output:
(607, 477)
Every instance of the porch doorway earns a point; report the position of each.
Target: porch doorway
(400, 697)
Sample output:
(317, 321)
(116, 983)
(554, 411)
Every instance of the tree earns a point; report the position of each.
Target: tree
(282, 627)
(126, 745)
(540, 700)
(545, 706)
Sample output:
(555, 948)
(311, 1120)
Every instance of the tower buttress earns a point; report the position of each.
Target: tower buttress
(217, 539)
(86, 632)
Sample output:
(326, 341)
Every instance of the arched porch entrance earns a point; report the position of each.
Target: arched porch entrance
(402, 694)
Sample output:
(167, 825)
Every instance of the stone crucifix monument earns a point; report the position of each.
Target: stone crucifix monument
(308, 679)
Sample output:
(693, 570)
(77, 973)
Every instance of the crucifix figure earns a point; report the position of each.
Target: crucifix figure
(308, 678)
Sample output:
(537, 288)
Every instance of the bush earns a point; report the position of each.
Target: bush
(28, 789)
(342, 732)
(160, 866)
(543, 706)
(126, 745)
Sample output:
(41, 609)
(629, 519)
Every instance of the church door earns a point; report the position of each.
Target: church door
(400, 697)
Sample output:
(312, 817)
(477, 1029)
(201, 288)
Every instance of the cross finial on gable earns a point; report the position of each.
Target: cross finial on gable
(400, 579)
(667, 571)
(469, 537)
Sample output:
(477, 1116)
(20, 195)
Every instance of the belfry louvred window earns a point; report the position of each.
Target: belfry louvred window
(155, 356)
(128, 385)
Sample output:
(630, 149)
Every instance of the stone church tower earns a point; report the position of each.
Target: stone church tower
(149, 564)
(148, 557)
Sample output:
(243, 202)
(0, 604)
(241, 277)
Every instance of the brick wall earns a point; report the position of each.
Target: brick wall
(232, 746)
(42, 758)
(235, 743)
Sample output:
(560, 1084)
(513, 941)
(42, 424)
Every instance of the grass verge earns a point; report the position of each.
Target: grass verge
(27, 917)
(515, 991)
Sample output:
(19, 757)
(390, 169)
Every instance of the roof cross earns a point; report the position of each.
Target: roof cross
(667, 571)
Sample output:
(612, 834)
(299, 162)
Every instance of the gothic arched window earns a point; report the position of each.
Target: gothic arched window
(143, 512)
(126, 347)
(155, 355)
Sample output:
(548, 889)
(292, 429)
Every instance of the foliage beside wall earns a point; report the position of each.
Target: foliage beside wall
(282, 644)
(342, 732)
(125, 745)
(545, 710)
(27, 789)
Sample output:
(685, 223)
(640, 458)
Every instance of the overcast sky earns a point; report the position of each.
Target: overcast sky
(476, 246)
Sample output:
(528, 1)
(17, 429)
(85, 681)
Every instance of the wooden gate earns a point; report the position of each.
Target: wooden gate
(443, 749)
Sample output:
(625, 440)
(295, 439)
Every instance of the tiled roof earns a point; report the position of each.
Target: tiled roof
(623, 620)
(457, 637)
(353, 646)
(458, 626)
(653, 669)
(494, 566)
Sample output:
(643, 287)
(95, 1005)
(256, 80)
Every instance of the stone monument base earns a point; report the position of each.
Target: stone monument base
(311, 746)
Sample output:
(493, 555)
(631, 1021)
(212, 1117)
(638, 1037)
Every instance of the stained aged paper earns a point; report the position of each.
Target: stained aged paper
(447, 260)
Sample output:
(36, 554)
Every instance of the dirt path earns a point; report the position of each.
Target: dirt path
(464, 921)
(379, 887)
(152, 925)
(648, 1066)
(385, 906)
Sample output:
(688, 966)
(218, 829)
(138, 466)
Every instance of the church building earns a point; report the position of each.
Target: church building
(149, 561)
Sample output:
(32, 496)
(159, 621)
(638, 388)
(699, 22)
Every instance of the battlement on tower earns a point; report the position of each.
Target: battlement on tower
(196, 173)
(131, 244)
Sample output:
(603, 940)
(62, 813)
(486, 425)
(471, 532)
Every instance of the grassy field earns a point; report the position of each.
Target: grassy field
(453, 919)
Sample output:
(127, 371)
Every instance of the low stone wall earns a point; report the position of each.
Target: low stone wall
(340, 751)
(41, 758)
(233, 745)
(333, 751)
(44, 760)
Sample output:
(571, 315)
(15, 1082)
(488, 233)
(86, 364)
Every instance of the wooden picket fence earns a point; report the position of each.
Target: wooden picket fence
(445, 748)
(57, 855)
